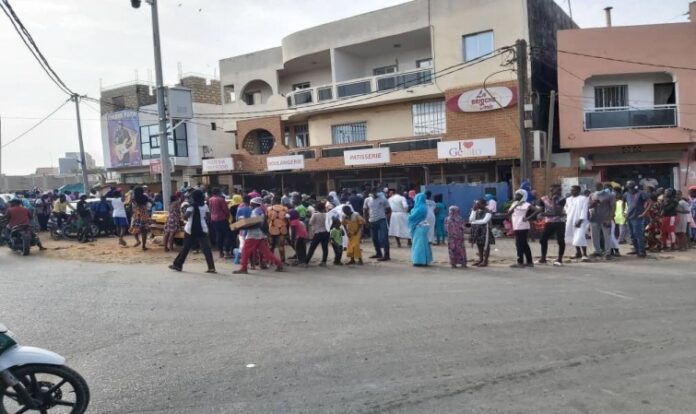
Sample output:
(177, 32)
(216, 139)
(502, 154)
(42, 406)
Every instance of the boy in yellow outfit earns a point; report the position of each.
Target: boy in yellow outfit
(353, 224)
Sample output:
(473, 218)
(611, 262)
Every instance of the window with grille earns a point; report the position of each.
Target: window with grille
(614, 96)
(150, 143)
(429, 118)
(348, 133)
(301, 136)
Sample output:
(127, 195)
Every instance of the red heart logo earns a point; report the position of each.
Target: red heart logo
(468, 144)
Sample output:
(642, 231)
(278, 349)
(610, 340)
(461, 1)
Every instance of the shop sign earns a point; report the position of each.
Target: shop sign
(484, 147)
(288, 162)
(218, 164)
(481, 100)
(367, 156)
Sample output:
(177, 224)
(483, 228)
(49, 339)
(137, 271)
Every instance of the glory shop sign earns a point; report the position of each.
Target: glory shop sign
(289, 162)
(472, 148)
(481, 100)
(367, 156)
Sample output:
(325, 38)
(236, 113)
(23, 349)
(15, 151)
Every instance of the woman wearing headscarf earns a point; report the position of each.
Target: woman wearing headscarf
(421, 253)
(440, 216)
(491, 203)
(481, 233)
(234, 204)
(431, 215)
(196, 232)
(455, 237)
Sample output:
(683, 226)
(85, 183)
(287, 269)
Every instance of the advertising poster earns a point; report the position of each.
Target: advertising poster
(124, 138)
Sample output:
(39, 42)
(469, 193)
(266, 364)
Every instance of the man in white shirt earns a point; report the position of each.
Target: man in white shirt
(119, 215)
(398, 223)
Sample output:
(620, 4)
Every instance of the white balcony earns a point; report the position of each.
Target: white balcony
(359, 87)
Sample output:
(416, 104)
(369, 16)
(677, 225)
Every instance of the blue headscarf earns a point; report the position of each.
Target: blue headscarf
(418, 213)
(489, 197)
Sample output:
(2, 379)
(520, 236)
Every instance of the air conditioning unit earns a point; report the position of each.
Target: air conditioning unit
(538, 146)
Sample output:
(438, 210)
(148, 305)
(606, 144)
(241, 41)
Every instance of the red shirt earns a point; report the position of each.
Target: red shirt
(218, 209)
(18, 216)
(299, 229)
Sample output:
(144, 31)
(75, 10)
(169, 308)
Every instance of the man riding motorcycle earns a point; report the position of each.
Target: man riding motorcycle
(18, 215)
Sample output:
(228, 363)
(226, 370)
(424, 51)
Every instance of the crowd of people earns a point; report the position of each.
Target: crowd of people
(258, 229)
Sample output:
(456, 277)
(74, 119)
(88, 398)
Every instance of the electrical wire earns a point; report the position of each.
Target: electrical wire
(635, 62)
(35, 125)
(33, 48)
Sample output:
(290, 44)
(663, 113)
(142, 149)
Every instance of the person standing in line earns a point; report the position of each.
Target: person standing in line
(356, 201)
(520, 212)
(481, 232)
(353, 223)
(84, 214)
(440, 216)
(336, 236)
(196, 231)
(669, 219)
(140, 221)
(398, 222)
(234, 204)
(692, 217)
(421, 251)
(320, 235)
(298, 237)
(636, 202)
(431, 215)
(219, 216)
(120, 217)
(682, 226)
(368, 197)
(620, 216)
(491, 203)
(43, 210)
(554, 224)
(278, 226)
(577, 210)
(256, 241)
(602, 205)
(454, 224)
(378, 210)
(173, 223)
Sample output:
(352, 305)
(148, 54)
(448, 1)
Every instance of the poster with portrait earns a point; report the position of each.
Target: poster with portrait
(123, 130)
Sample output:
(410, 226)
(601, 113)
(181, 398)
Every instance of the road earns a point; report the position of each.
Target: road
(589, 338)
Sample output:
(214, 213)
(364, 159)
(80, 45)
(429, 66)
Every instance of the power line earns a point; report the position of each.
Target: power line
(33, 48)
(635, 62)
(35, 125)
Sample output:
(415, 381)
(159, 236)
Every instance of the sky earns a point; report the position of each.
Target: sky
(91, 43)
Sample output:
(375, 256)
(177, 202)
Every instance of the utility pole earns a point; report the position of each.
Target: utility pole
(522, 88)
(549, 139)
(0, 152)
(83, 161)
(161, 110)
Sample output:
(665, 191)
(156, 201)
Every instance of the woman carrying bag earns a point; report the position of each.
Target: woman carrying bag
(196, 231)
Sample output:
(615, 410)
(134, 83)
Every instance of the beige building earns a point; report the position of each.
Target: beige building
(387, 97)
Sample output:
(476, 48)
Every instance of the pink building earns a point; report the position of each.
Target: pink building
(627, 102)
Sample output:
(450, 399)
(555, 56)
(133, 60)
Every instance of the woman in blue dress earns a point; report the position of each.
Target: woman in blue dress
(421, 253)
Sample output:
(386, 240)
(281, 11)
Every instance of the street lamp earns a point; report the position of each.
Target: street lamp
(161, 111)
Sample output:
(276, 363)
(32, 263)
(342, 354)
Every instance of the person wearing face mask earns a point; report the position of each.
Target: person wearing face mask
(636, 201)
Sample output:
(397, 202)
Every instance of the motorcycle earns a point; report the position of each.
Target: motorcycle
(38, 380)
(70, 228)
(21, 238)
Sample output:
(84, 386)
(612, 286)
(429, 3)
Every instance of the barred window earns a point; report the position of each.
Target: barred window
(614, 96)
(348, 133)
(429, 118)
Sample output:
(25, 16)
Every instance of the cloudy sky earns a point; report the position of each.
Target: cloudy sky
(90, 42)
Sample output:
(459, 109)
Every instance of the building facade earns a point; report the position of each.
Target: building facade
(423, 92)
(70, 163)
(628, 102)
(130, 133)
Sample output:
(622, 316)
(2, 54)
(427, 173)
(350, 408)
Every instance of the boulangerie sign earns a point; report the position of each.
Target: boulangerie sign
(288, 162)
(471, 148)
(367, 156)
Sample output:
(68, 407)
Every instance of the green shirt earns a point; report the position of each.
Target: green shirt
(302, 211)
(336, 236)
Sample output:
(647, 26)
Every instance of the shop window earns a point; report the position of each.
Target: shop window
(429, 118)
(477, 45)
(612, 96)
(349, 133)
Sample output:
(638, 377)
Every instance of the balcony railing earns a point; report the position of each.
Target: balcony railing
(658, 116)
(359, 87)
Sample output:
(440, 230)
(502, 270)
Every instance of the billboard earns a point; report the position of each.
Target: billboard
(472, 148)
(123, 131)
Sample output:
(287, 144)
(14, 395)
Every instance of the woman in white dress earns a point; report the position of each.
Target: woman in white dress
(431, 215)
(398, 223)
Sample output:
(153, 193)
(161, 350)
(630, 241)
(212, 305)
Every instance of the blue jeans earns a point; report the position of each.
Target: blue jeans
(638, 234)
(380, 237)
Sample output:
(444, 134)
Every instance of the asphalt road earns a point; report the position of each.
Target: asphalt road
(588, 338)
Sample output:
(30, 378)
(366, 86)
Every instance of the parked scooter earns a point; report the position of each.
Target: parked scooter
(35, 379)
(19, 238)
(70, 228)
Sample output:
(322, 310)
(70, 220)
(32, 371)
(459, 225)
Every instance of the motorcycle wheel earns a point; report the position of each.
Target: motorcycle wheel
(95, 231)
(26, 246)
(54, 234)
(48, 384)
